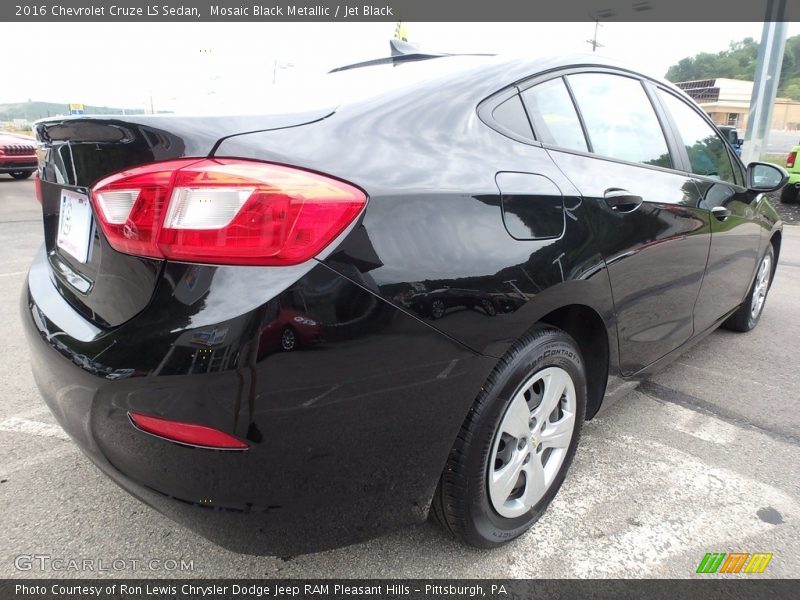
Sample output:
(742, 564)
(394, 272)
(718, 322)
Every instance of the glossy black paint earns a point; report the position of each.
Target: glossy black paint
(348, 433)
(110, 287)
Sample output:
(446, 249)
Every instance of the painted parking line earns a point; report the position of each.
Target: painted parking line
(13, 274)
(23, 425)
(446, 371)
(633, 504)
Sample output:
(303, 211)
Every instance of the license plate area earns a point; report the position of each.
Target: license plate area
(74, 225)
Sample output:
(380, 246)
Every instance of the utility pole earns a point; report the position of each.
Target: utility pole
(595, 44)
(765, 86)
(279, 65)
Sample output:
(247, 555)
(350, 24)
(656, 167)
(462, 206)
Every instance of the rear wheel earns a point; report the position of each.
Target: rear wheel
(748, 314)
(789, 194)
(288, 339)
(515, 447)
(21, 174)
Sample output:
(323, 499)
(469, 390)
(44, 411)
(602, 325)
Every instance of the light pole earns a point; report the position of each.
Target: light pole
(765, 86)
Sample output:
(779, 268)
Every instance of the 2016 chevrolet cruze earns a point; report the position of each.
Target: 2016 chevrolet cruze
(295, 331)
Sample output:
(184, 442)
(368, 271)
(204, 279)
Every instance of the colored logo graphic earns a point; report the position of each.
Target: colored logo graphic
(735, 562)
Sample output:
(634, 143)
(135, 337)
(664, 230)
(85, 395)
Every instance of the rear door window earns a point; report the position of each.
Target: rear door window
(619, 118)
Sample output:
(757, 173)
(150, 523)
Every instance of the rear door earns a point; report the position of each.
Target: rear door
(735, 233)
(654, 238)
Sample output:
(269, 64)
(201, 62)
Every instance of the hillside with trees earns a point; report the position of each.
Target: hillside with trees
(739, 62)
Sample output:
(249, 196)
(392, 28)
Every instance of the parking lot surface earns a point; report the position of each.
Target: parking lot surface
(704, 457)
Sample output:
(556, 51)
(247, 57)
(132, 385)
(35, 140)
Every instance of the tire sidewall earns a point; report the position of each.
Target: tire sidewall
(555, 350)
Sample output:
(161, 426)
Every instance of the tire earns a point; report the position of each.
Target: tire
(470, 499)
(21, 174)
(789, 194)
(288, 339)
(749, 313)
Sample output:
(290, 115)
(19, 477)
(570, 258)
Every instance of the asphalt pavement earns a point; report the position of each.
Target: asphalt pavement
(704, 457)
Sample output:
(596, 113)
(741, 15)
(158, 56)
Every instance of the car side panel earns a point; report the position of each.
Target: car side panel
(656, 254)
(347, 437)
(735, 249)
(434, 221)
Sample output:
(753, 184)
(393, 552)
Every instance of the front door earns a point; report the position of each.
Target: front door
(735, 234)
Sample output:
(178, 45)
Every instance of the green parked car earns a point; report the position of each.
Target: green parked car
(790, 190)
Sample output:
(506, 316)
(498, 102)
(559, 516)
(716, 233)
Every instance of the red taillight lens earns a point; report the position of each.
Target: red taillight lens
(187, 433)
(224, 211)
(790, 160)
(37, 186)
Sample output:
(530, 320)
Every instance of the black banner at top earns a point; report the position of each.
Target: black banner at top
(398, 10)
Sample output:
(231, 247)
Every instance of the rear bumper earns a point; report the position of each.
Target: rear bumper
(794, 179)
(347, 439)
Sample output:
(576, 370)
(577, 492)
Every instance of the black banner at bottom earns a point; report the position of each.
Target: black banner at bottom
(408, 589)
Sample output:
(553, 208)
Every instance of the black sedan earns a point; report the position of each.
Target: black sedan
(604, 206)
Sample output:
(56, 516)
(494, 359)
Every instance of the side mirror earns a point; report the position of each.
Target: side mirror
(765, 177)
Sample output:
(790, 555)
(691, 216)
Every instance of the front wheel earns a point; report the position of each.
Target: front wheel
(517, 442)
(748, 314)
(21, 174)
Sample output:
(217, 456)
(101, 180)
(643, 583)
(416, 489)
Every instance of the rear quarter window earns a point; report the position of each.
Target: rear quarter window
(553, 115)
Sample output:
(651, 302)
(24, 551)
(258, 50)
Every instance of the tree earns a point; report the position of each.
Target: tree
(739, 62)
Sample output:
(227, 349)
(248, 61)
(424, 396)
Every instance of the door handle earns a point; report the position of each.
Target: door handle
(720, 212)
(622, 200)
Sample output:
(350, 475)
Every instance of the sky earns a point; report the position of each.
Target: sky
(230, 67)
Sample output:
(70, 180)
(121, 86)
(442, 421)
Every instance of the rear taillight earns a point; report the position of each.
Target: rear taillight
(37, 186)
(224, 211)
(790, 160)
(186, 433)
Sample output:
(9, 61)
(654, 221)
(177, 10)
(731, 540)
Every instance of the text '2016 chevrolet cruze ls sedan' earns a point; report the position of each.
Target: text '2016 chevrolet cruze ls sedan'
(295, 331)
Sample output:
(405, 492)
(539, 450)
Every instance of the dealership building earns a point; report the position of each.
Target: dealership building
(727, 101)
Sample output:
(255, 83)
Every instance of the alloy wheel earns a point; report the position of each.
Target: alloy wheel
(288, 340)
(761, 287)
(531, 442)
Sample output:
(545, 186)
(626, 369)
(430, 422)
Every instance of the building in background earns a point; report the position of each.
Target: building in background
(727, 102)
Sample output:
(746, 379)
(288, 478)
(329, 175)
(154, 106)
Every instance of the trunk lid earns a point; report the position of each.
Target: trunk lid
(105, 286)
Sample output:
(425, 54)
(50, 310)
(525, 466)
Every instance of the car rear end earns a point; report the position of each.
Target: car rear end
(146, 309)
(17, 156)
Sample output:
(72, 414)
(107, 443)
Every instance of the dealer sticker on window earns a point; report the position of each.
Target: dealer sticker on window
(74, 225)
